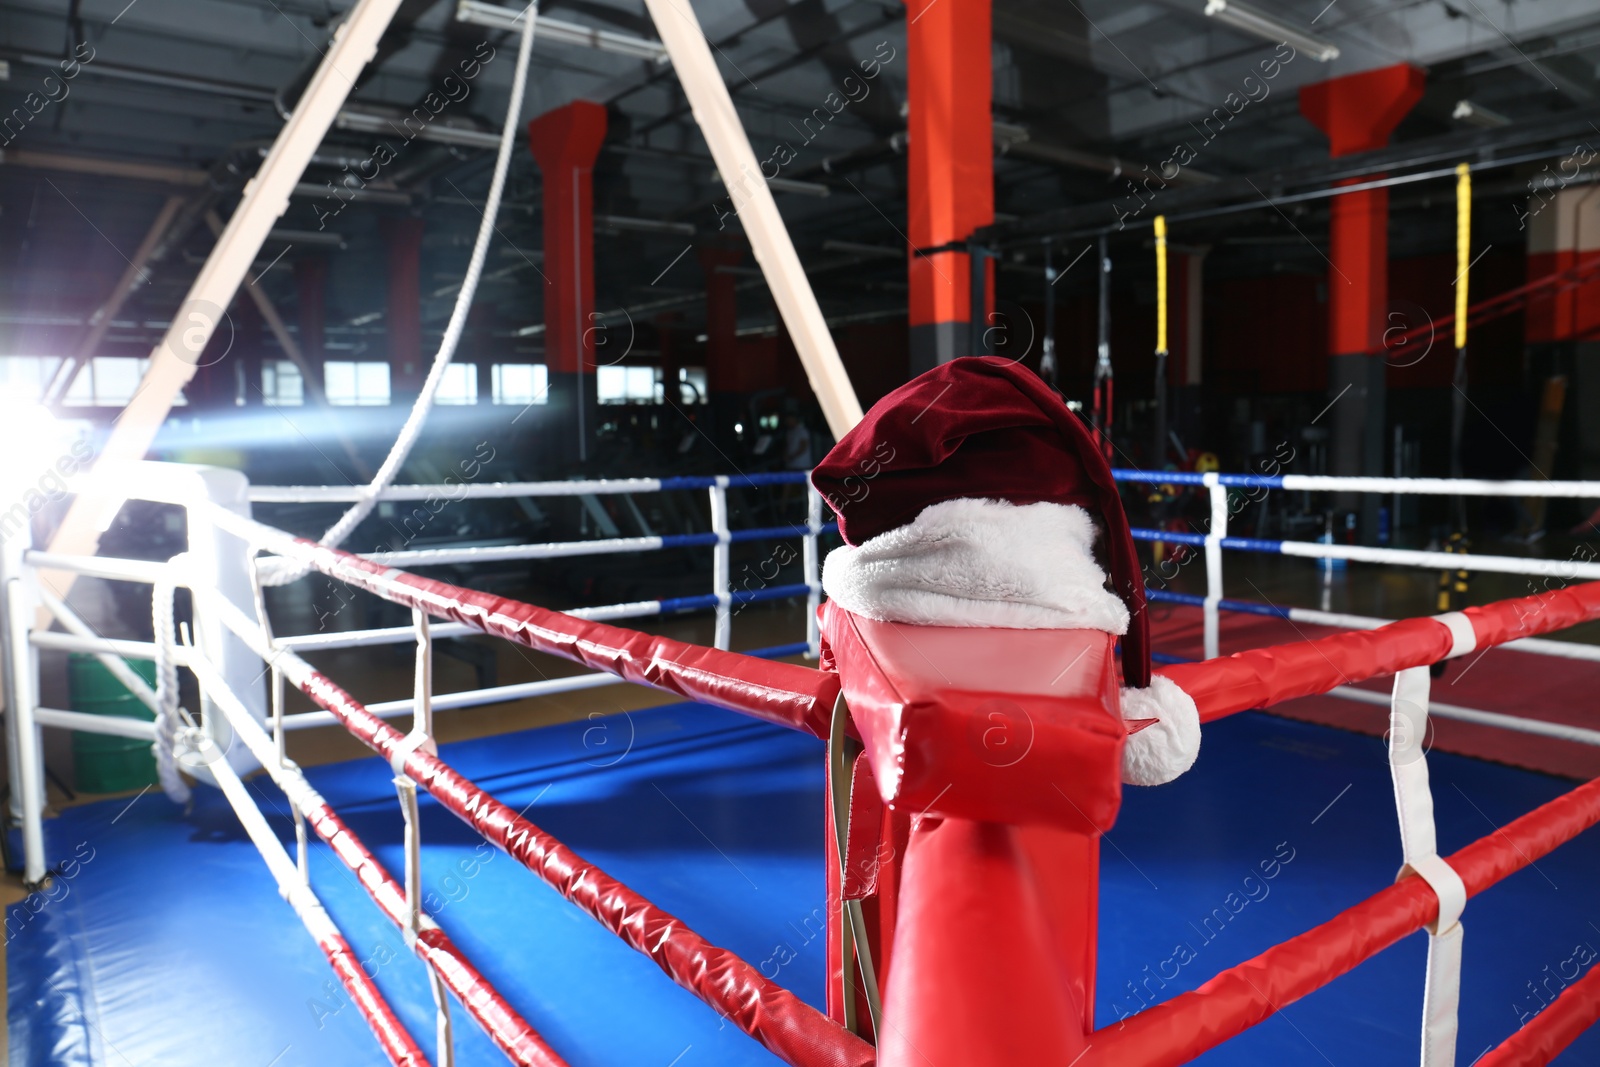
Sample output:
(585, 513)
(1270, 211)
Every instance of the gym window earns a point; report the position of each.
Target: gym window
(356, 384)
(282, 385)
(627, 385)
(460, 384)
(108, 382)
(520, 383)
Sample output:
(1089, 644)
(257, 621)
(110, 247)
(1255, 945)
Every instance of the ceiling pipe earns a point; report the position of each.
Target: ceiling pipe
(122, 72)
(1478, 115)
(1270, 28)
(550, 30)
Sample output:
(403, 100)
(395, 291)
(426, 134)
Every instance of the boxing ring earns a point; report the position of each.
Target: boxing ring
(957, 870)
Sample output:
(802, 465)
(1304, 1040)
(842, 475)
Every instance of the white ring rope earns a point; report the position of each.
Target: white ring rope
(281, 571)
(169, 716)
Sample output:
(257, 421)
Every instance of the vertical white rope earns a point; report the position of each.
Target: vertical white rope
(169, 716)
(1219, 530)
(1408, 764)
(279, 740)
(721, 565)
(421, 737)
(281, 572)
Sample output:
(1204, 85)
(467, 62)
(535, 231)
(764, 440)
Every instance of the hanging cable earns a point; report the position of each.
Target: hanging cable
(282, 572)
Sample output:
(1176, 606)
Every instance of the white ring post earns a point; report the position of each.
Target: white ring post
(813, 568)
(1214, 536)
(721, 564)
(1408, 762)
(21, 667)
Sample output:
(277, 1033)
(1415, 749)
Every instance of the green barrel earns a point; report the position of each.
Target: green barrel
(105, 763)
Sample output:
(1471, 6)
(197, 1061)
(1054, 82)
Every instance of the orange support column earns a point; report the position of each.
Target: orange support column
(565, 142)
(1358, 112)
(950, 168)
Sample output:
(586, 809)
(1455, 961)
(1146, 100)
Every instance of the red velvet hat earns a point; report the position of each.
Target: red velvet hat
(986, 427)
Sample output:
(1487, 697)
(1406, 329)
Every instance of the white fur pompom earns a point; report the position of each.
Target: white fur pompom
(979, 562)
(1165, 749)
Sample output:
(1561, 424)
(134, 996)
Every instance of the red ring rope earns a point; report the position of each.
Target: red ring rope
(1544, 1037)
(791, 1029)
(1176, 1031)
(788, 694)
(1167, 1034)
(396, 1040)
(510, 1031)
(1264, 676)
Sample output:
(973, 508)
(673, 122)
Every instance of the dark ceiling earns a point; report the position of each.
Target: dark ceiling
(1085, 91)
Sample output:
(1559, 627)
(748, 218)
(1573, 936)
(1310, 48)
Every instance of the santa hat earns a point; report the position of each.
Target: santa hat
(970, 496)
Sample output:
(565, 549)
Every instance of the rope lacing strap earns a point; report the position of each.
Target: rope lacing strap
(1408, 728)
(280, 571)
(1463, 638)
(172, 725)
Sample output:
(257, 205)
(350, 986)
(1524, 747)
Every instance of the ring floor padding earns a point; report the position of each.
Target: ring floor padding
(169, 945)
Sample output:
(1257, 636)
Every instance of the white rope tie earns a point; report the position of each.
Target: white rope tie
(1463, 638)
(1441, 997)
(280, 571)
(170, 718)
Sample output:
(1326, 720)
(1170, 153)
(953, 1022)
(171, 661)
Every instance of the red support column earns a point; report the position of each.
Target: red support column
(404, 315)
(671, 389)
(565, 142)
(949, 165)
(722, 319)
(1358, 112)
(311, 285)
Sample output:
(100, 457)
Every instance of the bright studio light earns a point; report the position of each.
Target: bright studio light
(31, 443)
(1270, 28)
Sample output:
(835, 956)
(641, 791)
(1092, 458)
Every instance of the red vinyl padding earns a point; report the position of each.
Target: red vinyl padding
(980, 978)
(1266, 676)
(788, 694)
(1012, 726)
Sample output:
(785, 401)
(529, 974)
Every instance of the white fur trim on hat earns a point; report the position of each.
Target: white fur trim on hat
(976, 562)
(1166, 748)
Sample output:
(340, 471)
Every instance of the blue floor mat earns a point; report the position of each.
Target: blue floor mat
(169, 945)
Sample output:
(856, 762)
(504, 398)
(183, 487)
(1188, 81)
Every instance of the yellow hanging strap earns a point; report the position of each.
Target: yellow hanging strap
(1161, 284)
(1463, 248)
